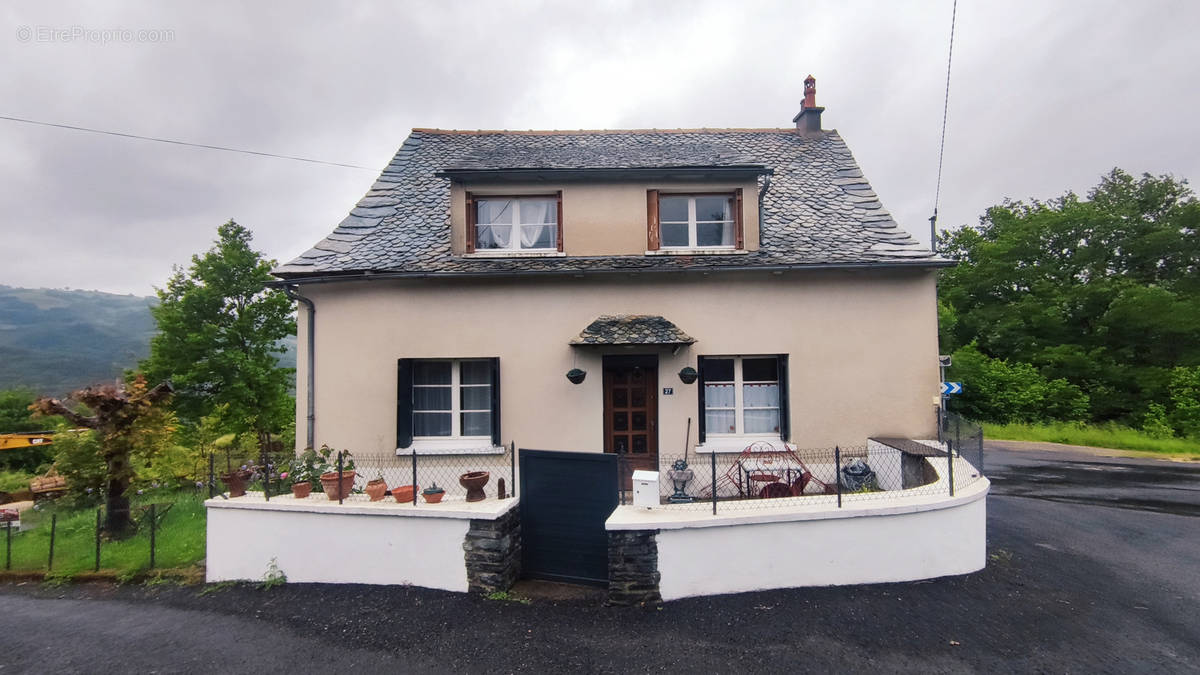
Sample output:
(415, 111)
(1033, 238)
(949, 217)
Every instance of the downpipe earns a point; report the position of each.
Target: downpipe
(310, 358)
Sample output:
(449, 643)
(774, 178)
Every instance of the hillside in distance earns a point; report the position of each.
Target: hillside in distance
(55, 341)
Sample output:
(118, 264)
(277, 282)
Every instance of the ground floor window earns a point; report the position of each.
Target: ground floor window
(743, 395)
(447, 399)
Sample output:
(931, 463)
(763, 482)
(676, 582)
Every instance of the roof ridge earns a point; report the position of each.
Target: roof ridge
(554, 132)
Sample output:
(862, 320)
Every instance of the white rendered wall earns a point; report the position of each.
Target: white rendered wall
(316, 547)
(860, 549)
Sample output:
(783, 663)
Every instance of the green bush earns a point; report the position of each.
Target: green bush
(1185, 400)
(996, 390)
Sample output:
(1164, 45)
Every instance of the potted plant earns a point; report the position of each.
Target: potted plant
(329, 479)
(405, 494)
(376, 487)
(433, 494)
(304, 470)
(236, 481)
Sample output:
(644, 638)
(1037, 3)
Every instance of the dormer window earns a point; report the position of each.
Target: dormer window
(515, 224)
(695, 221)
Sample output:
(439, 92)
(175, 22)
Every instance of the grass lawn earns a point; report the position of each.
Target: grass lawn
(179, 541)
(1107, 436)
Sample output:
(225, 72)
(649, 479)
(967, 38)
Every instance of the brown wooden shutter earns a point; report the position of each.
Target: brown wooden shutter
(652, 233)
(470, 248)
(739, 233)
(560, 234)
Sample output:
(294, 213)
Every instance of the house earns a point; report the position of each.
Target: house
(482, 266)
(647, 296)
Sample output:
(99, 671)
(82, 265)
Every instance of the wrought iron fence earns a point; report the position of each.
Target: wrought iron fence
(765, 476)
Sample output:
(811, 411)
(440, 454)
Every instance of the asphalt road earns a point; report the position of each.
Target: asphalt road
(1094, 567)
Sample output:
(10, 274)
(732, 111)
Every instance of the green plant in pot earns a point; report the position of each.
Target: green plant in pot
(329, 476)
(304, 470)
(433, 494)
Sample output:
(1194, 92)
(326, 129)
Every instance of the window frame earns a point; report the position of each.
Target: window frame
(782, 381)
(654, 221)
(472, 225)
(456, 410)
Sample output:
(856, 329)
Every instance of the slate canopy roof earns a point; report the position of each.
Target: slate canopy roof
(818, 210)
(632, 329)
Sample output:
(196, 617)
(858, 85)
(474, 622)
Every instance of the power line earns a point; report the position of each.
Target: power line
(191, 145)
(937, 193)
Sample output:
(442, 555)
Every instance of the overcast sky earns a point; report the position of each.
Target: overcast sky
(1045, 97)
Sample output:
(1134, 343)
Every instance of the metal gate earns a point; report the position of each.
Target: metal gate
(565, 499)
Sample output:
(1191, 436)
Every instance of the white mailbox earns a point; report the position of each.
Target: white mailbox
(645, 488)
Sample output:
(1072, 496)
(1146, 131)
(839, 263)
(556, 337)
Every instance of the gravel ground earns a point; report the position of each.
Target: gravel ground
(1071, 586)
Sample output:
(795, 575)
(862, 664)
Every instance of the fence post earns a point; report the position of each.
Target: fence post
(950, 465)
(414, 474)
(837, 472)
(980, 446)
(266, 460)
(8, 545)
(339, 468)
(53, 527)
(512, 468)
(97, 568)
(712, 461)
(211, 482)
(153, 527)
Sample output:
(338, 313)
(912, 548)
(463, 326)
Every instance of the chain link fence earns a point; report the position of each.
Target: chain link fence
(357, 477)
(766, 476)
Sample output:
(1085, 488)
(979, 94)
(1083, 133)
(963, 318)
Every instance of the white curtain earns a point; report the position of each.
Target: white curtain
(538, 220)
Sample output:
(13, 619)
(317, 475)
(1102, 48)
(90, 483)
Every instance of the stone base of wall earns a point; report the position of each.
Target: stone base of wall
(633, 567)
(493, 553)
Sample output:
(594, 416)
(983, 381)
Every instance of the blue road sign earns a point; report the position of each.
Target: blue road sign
(949, 388)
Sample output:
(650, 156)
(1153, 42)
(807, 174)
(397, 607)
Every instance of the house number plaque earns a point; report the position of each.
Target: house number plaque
(667, 391)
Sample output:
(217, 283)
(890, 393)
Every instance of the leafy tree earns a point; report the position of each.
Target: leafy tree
(122, 420)
(1102, 292)
(219, 339)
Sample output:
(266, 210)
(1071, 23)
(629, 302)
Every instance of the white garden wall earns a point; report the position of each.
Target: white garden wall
(809, 541)
(318, 541)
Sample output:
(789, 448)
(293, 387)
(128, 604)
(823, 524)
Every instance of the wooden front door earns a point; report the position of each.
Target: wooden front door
(631, 415)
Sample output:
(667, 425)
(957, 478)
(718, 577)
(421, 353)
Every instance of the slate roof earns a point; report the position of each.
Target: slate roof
(632, 329)
(584, 151)
(818, 210)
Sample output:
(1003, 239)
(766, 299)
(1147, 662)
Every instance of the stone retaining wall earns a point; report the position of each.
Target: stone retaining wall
(493, 553)
(633, 567)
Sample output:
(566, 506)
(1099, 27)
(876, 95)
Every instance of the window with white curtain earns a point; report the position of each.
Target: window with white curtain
(741, 395)
(452, 398)
(516, 223)
(696, 221)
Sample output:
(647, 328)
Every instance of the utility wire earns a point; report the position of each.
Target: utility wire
(192, 145)
(937, 194)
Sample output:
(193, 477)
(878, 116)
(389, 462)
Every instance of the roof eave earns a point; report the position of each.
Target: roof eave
(297, 278)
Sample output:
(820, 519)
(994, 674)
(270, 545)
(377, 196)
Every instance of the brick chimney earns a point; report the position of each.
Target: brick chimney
(808, 120)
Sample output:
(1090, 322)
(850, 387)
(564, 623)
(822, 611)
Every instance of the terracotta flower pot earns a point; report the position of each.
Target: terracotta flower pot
(433, 497)
(375, 489)
(404, 493)
(329, 483)
(236, 482)
(301, 490)
(474, 482)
